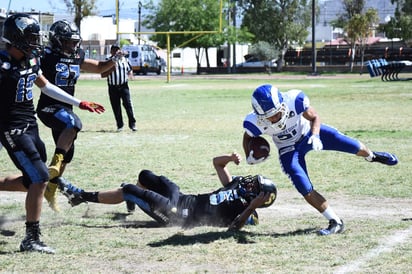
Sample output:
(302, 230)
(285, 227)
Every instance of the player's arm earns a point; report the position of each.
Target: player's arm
(311, 115)
(250, 157)
(241, 219)
(220, 164)
(95, 66)
(245, 143)
(57, 93)
(314, 119)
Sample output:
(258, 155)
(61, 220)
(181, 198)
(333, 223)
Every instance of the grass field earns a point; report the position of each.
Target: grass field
(181, 126)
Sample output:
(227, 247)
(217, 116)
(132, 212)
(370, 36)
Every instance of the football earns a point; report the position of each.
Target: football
(260, 147)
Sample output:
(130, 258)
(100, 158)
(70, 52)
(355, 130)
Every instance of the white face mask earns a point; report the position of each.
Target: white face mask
(279, 125)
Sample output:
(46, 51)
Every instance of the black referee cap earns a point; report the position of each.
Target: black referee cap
(115, 46)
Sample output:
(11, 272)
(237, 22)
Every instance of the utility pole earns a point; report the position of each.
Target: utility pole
(234, 29)
(140, 20)
(314, 72)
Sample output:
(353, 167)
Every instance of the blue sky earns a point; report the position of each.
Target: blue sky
(105, 7)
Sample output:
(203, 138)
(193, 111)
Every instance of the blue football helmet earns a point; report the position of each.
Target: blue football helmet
(22, 31)
(268, 101)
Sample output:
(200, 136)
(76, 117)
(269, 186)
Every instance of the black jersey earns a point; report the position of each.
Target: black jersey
(16, 91)
(62, 71)
(218, 208)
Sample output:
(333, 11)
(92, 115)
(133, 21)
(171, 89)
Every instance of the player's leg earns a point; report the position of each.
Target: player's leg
(152, 203)
(294, 165)
(12, 183)
(29, 155)
(65, 125)
(333, 139)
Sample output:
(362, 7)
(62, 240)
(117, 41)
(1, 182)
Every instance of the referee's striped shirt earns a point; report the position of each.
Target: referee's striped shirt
(119, 76)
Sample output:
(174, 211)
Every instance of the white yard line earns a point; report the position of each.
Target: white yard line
(387, 245)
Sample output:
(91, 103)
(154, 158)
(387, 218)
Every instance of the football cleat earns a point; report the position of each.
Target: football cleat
(51, 196)
(385, 158)
(72, 193)
(55, 166)
(333, 228)
(32, 242)
(30, 245)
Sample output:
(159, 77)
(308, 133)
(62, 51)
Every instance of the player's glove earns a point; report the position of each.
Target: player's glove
(316, 142)
(91, 106)
(251, 160)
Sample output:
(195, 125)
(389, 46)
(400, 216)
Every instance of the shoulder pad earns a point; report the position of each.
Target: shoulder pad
(4, 61)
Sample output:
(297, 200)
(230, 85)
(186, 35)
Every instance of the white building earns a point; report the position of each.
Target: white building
(330, 9)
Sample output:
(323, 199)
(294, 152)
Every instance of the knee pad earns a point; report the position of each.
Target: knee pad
(128, 189)
(147, 178)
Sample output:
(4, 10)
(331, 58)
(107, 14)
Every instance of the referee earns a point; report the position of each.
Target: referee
(119, 89)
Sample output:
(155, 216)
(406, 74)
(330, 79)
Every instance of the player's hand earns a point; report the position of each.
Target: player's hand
(262, 198)
(251, 160)
(236, 158)
(91, 106)
(316, 142)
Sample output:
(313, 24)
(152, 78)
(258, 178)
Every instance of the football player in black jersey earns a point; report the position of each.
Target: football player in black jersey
(19, 72)
(61, 64)
(230, 206)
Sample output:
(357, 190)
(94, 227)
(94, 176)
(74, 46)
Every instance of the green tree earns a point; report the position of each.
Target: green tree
(281, 23)
(81, 9)
(400, 25)
(403, 6)
(359, 28)
(264, 51)
(190, 15)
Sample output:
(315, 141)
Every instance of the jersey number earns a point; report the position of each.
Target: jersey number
(287, 136)
(66, 75)
(25, 88)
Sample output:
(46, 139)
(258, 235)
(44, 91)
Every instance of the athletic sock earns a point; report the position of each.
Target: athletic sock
(91, 197)
(330, 214)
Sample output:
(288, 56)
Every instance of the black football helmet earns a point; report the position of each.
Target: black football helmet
(64, 37)
(22, 31)
(251, 186)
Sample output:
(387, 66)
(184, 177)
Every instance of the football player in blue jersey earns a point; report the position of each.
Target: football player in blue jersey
(295, 128)
(61, 64)
(232, 205)
(19, 72)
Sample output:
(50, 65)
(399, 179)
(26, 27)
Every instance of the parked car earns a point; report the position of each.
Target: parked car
(143, 59)
(254, 62)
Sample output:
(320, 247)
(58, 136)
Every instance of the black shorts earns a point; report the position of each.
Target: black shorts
(28, 153)
(58, 117)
